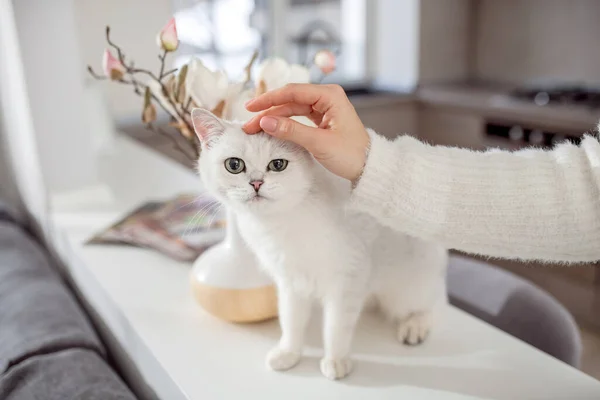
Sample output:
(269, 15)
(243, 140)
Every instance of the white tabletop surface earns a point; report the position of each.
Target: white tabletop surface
(144, 300)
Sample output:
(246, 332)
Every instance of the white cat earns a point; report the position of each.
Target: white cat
(291, 213)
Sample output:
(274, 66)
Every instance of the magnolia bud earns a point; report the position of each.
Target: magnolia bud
(112, 67)
(167, 38)
(149, 112)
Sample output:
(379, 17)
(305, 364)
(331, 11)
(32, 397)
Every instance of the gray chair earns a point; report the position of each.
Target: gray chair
(515, 306)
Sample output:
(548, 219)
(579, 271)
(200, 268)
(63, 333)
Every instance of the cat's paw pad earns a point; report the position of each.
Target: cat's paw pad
(336, 368)
(415, 329)
(281, 360)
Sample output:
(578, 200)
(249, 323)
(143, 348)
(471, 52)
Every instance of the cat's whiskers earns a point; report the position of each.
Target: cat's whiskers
(204, 211)
(191, 230)
(200, 197)
(215, 214)
(189, 224)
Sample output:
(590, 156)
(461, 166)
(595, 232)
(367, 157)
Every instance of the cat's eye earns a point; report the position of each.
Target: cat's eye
(278, 165)
(235, 165)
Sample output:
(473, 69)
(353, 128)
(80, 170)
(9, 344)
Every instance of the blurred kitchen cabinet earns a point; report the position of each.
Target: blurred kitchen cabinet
(389, 118)
(447, 126)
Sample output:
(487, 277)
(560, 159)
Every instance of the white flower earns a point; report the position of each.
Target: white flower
(235, 109)
(276, 72)
(207, 88)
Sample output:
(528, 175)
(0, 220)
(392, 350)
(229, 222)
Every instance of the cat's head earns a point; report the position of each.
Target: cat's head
(258, 173)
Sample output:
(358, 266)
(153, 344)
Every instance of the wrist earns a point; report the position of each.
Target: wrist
(361, 159)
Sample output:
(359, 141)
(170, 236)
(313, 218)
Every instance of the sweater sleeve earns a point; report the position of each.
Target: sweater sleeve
(528, 204)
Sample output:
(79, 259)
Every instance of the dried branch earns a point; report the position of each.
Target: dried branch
(113, 45)
(165, 93)
(248, 68)
(139, 88)
(95, 75)
(142, 71)
(176, 145)
(131, 71)
(169, 72)
(162, 65)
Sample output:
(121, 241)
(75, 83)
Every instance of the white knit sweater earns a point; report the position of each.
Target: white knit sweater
(529, 204)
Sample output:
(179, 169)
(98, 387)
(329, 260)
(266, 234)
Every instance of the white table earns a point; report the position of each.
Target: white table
(143, 299)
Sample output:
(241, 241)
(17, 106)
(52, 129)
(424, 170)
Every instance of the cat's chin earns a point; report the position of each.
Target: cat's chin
(261, 206)
(257, 204)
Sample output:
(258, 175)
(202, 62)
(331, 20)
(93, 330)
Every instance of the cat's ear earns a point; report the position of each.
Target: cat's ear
(207, 125)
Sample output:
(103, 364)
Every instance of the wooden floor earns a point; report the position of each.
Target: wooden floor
(577, 288)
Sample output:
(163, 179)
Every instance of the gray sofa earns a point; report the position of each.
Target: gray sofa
(48, 348)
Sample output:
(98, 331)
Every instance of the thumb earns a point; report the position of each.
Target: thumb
(288, 129)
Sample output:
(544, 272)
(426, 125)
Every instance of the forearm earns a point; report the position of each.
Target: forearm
(531, 204)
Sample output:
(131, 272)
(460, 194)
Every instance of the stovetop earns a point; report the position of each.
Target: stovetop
(566, 95)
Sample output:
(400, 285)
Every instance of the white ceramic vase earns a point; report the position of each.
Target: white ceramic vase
(228, 283)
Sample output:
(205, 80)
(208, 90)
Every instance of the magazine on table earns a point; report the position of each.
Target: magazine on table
(181, 228)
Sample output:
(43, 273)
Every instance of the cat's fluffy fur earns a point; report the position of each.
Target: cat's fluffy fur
(317, 250)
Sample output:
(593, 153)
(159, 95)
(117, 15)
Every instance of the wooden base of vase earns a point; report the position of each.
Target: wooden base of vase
(237, 305)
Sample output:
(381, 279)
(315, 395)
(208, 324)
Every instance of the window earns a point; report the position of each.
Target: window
(225, 33)
(219, 32)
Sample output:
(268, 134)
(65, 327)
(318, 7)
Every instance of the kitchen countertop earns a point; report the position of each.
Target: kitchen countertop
(491, 102)
(494, 103)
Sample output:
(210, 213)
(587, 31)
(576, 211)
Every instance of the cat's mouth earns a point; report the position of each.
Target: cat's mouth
(257, 198)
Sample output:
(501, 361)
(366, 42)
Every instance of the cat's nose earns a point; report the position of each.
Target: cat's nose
(256, 185)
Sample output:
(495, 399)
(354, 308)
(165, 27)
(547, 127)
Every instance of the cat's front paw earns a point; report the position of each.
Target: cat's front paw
(415, 329)
(281, 360)
(336, 368)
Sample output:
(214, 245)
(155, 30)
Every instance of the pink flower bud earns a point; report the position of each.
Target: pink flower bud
(167, 38)
(111, 66)
(325, 60)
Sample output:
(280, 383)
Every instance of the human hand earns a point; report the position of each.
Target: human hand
(339, 142)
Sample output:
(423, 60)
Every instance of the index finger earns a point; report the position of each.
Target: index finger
(286, 110)
(298, 93)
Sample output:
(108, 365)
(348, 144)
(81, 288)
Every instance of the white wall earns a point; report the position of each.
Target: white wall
(54, 78)
(395, 32)
(419, 42)
(9, 192)
(134, 25)
(21, 170)
(58, 39)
